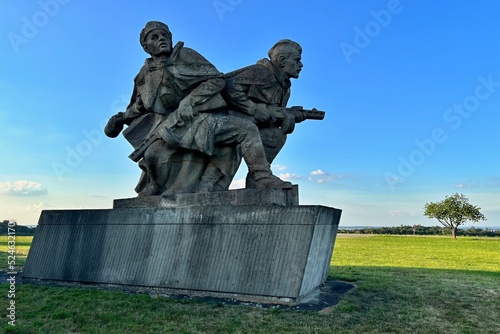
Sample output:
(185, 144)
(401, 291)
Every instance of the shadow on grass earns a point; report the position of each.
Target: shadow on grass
(324, 296)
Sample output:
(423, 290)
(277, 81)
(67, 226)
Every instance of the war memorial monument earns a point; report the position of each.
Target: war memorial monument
(190, 126)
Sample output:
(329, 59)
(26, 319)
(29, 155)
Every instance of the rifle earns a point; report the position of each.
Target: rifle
(285, 118)
(298, 112)
(149, 128)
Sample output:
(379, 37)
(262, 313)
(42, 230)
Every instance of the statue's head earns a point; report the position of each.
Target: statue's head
(156, 38)
(286, 55)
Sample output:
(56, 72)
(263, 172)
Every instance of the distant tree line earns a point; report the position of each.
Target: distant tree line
(20, 229)
(424, 230)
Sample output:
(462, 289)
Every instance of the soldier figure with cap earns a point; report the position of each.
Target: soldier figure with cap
(178, 120)
(258, 90)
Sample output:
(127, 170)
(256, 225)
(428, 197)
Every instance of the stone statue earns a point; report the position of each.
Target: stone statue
(257, 243)
(260, 93)
(178, 123)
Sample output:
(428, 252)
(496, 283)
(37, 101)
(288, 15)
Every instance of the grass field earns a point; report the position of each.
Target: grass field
(22, 248)
(403, 284)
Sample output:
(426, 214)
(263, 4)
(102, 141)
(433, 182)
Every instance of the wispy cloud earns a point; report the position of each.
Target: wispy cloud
(319, 176)
(469, 185)
(398, 213)
(22, 188)
(286, 176)
(237, 184)
(98, 196)
(39, 206)
(289, 177)
(477, 184)
(280, 167)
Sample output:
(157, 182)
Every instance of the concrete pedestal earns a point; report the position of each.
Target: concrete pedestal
(273, 251)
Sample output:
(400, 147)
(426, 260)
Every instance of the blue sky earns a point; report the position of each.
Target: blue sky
(411, 90)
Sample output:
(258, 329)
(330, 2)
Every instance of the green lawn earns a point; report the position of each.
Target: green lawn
(22, 247)
(431, 252)
(404, 284)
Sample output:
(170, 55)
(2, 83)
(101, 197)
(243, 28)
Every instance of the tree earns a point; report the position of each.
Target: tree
(453, 211)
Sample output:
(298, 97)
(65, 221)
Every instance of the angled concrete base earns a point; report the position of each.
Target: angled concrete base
(225, 198)
(271, 251)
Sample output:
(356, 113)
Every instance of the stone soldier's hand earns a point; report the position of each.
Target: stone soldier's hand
(261, 114)
(118, 119)
(186, 111)
(115, 125)
(299, 113)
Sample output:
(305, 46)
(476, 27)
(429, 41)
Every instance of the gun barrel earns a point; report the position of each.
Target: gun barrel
(139, 151)
(314, 114)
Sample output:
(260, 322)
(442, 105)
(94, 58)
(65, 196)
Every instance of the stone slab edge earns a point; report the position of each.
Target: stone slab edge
(235, 197)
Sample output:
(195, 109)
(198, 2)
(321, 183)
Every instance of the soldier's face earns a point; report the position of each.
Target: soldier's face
(158, 42)
(292, 65)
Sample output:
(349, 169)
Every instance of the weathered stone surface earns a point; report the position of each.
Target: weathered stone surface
(260, 92)
(184, 139)
(190, 126)
(274, 251)
(234, 197)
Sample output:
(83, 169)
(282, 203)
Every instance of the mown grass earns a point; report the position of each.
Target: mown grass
(22, 247)
(466, 253)
(423, 284)
(403, 285)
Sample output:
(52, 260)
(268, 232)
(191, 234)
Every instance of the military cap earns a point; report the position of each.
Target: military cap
(152, 25)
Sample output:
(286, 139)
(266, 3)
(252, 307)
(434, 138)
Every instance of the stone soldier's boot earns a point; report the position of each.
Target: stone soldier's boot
(259, 168)
(263, 178)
